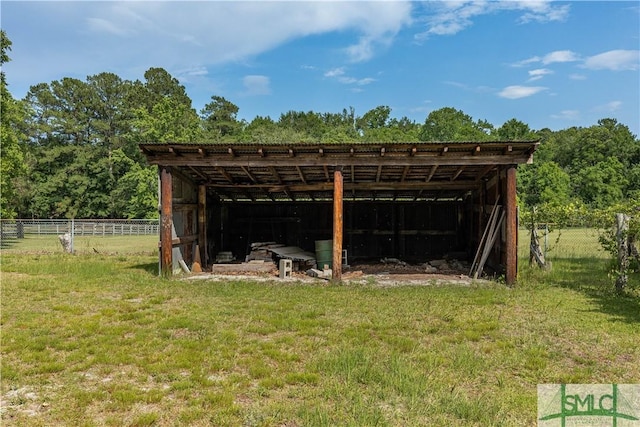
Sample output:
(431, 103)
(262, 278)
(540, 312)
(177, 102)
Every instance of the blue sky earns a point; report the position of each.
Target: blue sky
(548, 64)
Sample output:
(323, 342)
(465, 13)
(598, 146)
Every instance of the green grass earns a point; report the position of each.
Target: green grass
(96, 339)
(50, 244)
(564, 243)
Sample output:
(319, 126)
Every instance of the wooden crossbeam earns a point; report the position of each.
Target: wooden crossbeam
(458, 172)
(302, 178)
(431, 173)
(404, 173)
(249, 174)
(204, 177)
(388, 160)
(367, 186)
(484, 171)
(274, 172)
(224, 174)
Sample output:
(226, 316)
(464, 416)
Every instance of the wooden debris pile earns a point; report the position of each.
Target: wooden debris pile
(262, 251)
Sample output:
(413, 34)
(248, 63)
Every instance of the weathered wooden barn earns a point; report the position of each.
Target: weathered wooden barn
(411, 201)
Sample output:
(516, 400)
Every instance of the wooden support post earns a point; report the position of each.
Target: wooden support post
(202, 223)
(166, 221)
(511, 229)
(337, 225)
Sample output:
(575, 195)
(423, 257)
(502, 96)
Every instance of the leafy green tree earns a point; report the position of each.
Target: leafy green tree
(543, 183)
(41, 103)
(163, 112)
(449, 124)
(265, 130)
(602, 184)
(374, 119)
(72, 113)
(168, 121)
(112, 113)
(136, 192)
(158, 84)
(220, 119)
(12, 162)
(299, 122)
(514, 130)
(70, 182)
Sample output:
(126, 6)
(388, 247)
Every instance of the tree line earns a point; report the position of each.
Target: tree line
(70, 147)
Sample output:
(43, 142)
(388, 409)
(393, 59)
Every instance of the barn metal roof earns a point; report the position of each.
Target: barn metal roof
(302, 171)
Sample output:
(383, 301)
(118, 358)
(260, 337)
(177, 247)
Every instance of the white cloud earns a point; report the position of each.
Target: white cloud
(543, 12)
(567, 115)
(560, 56)
(451, 17)
(609, 107)
(516, 92)
(550, 58)
(335, 72)
(188, 75)
(577, 77)
(340, 75)
(216, 32)
(538, 73)
(615, 60)
(526, 62)
(256, 85)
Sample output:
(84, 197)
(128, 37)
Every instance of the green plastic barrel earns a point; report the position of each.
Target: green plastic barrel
(324, 253)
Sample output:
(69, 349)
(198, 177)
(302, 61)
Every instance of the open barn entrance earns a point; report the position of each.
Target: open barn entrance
(409, 231)
(407, 201)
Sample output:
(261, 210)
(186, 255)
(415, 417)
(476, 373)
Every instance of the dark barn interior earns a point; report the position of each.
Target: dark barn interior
(410, 201)
(410, 231)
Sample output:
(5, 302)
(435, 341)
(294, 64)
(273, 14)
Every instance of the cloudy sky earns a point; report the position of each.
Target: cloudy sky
(549, 64)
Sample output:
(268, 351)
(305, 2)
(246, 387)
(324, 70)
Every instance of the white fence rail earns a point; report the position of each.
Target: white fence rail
(19, 228)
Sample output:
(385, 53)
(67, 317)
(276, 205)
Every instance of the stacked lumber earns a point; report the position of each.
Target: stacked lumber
(488, 240)
(262, 251)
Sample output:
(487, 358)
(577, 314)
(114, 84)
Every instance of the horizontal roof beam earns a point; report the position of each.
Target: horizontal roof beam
(345, 161)
(368, 186)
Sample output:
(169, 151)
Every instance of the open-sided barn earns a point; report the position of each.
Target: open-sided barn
(411, 201)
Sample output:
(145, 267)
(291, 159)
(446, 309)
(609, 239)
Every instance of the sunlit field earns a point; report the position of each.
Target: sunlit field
(137, 244)
(564, 243)
(97, 338)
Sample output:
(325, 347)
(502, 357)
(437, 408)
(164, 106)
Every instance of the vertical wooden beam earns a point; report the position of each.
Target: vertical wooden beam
(511, 253)
(202, 223)
(337, 225)
(166, 221)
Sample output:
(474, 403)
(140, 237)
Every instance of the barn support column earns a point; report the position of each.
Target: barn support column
(511, 229)
(202, 223)
(166, 221)
(337, 225)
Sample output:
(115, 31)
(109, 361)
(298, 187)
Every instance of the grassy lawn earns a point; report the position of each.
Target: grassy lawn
(111, 245)
(99, 339)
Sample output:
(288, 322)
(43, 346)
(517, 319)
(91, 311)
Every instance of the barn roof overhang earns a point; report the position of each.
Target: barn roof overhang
(253, 172)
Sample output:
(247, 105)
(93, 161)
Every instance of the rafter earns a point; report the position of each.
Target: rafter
(249, 174)
(431, 173)
(457, 174)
